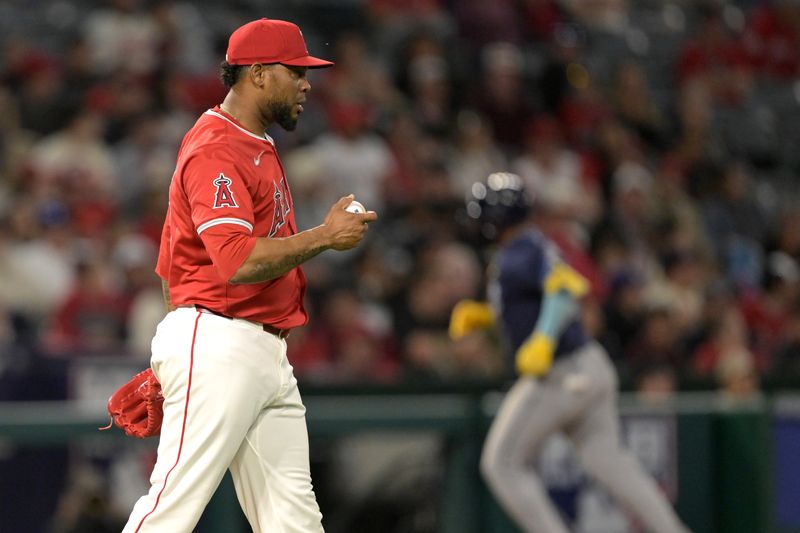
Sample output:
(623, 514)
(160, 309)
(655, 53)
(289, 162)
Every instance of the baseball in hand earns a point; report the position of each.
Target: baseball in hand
(356, 207)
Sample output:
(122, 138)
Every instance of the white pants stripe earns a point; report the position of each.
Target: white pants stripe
(230, 402)
(183, 425)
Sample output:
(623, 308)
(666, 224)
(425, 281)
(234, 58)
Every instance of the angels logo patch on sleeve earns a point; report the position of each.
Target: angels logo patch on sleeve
(224, 195)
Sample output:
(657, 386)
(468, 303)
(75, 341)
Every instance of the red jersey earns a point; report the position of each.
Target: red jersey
(228, 189)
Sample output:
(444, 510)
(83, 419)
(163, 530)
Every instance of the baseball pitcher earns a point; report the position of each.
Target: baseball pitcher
(230, 262)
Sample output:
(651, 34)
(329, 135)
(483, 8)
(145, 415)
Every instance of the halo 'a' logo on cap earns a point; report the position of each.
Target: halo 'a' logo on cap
(303, 37)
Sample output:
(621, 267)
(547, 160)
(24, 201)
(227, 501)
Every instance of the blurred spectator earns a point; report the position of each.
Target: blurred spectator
(736, 375)
(431, 94)
(681, 287)
(767, 312)
(737, 225)
(76, 157)
(185, 38)
(382, 270)
(180, 110)
(455, 267)
(714, 54)
(635, 106)
(726, 354)
(610, 252)
(360, 76)
(606, 15)
(351, 343)
(14, 145)
(147, 309)
(92, 318)
(788, 233)
(476, 357)
(435, 190)
(584, 110)
(8, 342)
(359, 341)
(42, 108)
(444, 274)
(719, 296)
(773, 38)
(697, 144)
(309, 352)
(629, 216)
(624, 312)
(592, 315)
(143, 161)
(786, 362)
(676, 215)
(36, 264)
(475, 154)
(151, 215)
(564, 68)
(134, 255)
(427, 356)
(393, 21)
(123, 36)
(657, 341)
(541, 18)
(656, 383)
(122, 98)
(481, 23)
(79, 76)
(410, 148)
(500, 95)
(420, 45)
(553, 174)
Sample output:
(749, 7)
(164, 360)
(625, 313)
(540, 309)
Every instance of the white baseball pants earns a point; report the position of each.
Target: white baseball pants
(230, 402)
(534, 410)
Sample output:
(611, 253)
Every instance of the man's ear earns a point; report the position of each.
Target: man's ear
(258, 74)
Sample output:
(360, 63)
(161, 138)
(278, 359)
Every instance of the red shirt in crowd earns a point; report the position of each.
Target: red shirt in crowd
(773, 41)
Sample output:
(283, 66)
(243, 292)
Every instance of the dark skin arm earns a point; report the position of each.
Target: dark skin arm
(272, 258)
(165, 293)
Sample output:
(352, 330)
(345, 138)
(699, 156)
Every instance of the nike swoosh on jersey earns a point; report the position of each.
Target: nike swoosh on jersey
(257, 159)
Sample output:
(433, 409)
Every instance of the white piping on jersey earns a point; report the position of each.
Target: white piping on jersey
(224, 220)
(250, 133)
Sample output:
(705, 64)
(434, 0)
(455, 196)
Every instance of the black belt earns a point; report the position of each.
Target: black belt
(278, 332)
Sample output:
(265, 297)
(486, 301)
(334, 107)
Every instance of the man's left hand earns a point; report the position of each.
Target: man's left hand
(535, 356)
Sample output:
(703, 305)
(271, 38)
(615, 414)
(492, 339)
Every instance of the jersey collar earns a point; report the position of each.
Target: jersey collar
(219, 113)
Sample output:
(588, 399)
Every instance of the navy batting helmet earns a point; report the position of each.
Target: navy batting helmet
(498, 203)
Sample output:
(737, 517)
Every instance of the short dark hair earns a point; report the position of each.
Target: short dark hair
(229, 74)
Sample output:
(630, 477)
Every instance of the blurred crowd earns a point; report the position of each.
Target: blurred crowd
(659, 142)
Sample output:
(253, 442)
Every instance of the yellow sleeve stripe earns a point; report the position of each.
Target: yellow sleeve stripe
(563, 278)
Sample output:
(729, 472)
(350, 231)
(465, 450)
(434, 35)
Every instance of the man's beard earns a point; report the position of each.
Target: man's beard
(281, 113)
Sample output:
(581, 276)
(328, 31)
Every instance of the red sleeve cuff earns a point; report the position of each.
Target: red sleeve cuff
(228, 250)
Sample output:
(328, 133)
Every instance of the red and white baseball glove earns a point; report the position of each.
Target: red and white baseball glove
(137, 406)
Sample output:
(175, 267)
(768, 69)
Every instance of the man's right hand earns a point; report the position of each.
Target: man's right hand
(345, 230)
(468, 316)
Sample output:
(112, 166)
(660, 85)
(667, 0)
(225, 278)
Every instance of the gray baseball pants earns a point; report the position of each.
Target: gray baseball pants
(579, 398)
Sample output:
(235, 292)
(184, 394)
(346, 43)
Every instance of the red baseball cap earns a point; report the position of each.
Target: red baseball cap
(271, 41)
